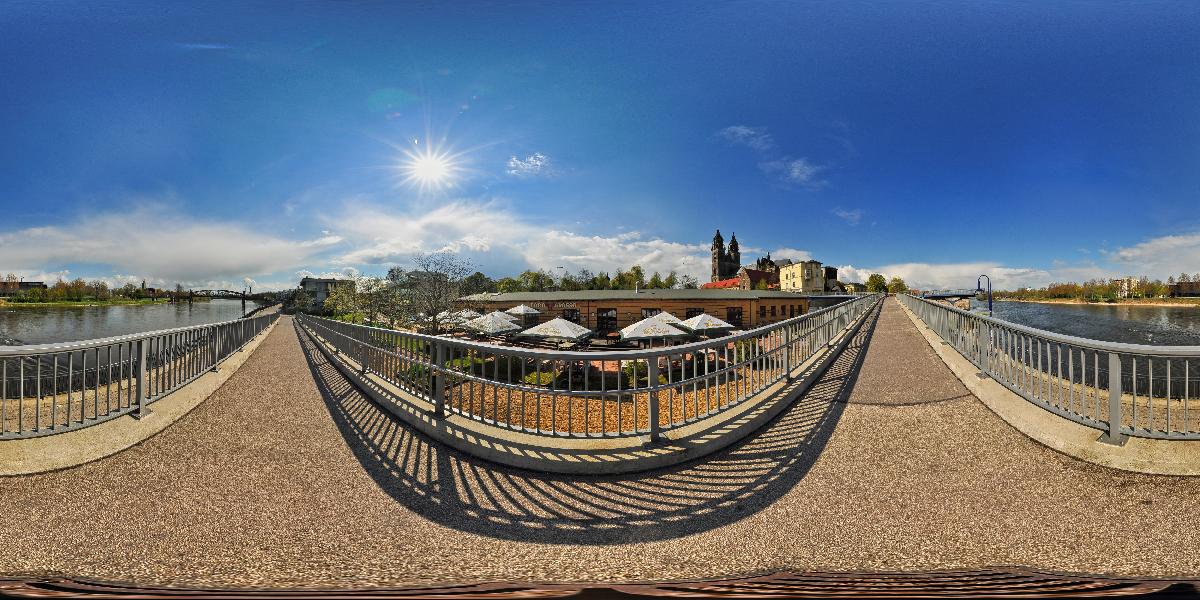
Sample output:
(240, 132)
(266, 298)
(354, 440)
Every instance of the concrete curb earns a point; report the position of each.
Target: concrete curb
(1140, 455)
(593, 456)
(81, 446)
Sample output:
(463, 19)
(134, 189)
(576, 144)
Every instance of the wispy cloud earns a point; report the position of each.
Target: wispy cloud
(203, 46)
(798, 171)
(756, 138)
(536, 164)
(851, 216)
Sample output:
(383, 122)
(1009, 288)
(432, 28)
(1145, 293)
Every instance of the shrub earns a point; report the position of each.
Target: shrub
(542, 379)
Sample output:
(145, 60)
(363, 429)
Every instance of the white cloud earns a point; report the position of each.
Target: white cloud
(799, 171)
(755, 138)
(531, 166)
(792, 253)
(964, 275)
(1161, 257)
(496, 240)
(158, 244)
(851, 216)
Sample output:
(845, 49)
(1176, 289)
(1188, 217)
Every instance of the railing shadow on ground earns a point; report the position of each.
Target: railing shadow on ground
(469, 494)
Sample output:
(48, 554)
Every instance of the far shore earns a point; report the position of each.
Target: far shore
(82, 303)
(1123, 302)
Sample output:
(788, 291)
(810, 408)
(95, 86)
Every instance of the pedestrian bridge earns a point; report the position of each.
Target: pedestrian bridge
(310, 464)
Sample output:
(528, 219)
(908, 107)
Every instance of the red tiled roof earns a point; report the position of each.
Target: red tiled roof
(732, 282)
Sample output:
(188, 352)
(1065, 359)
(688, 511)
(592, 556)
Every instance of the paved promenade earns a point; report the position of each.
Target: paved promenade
(288, 476)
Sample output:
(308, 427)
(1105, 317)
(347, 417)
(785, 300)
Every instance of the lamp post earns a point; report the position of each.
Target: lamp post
(979, 290)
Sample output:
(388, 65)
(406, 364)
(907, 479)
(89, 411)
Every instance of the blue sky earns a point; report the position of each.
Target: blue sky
(207, 143)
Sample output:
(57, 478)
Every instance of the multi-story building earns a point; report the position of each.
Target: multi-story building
(12, 288)
(1185, 288)
(808, 277)
(319, 289)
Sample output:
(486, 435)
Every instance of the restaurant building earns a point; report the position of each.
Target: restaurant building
(609, 310)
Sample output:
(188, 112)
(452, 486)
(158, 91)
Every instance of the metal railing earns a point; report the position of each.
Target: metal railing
(1121, 389)
(585, 393)
(51, 388)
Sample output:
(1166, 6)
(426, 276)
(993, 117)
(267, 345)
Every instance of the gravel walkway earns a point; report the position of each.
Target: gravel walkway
(277, 481)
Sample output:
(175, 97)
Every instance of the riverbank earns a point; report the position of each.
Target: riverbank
(1122, 302)
(60, 303)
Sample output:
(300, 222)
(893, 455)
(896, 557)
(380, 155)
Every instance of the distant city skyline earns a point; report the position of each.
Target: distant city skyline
(238, 144)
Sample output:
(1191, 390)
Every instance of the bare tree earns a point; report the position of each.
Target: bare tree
(435, 284)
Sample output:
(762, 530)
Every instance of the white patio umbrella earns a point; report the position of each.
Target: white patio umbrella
(705, 322)
(504, 315)
(558, 329)
(523, 310)
(651, 329)
(467, 314)
(667, 317)
(492, 324)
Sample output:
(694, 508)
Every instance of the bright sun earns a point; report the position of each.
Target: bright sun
(429, 169)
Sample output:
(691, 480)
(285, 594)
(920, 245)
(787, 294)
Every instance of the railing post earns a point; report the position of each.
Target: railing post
(143, 384)
(787, 353)
(652, 392)
(1114, 435)
(216, 344)
(981, 342)
(439, 379)
(362, 355)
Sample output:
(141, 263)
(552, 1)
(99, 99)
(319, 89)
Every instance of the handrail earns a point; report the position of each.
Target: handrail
(51, 388)
(1122, 389)
(609, 393)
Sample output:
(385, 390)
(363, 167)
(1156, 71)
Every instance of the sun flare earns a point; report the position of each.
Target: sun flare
(430, 169)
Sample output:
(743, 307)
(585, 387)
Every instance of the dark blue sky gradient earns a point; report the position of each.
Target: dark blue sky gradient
(1031, 134)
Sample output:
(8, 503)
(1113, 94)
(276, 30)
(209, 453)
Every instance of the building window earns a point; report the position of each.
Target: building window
(762, 312)
(606, 319)
(733, 315)
(792, 311)
(693, 312)
(772, 311)
(571, 314)
(650, 312)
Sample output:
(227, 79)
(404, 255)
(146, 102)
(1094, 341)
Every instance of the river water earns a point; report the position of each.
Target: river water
(1156, 325)
(42, 325)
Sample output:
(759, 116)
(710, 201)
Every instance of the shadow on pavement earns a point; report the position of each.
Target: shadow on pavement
(473, 495)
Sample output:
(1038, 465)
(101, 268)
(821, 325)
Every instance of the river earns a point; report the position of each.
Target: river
(41, 325)
(1156, 325)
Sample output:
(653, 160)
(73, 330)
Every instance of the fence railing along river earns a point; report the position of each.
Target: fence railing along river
(588, 393)
(1121, 389)
(51, 388)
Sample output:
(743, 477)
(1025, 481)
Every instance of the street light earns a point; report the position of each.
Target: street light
(979, 290)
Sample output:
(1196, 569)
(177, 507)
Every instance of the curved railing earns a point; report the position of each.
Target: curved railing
(585, 393)
(51, 388)
(1121, 389)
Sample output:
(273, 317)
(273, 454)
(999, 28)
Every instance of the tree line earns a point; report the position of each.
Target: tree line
(877, 283)
(418, 297)
(1102, 289)
(544, 281)
(76, 290)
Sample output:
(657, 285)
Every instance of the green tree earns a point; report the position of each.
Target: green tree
(507, 285)
(671, 281)
(656, 282)
(688, 282)
(477, 283)
(896, 286)
(876, 283)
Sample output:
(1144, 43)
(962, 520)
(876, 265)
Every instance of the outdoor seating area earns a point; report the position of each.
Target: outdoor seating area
(518, 327)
